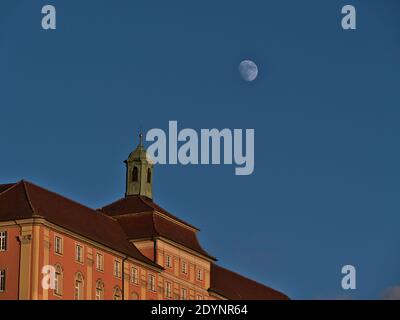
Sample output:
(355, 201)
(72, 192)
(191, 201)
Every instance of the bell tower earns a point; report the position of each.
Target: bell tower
(139, 172)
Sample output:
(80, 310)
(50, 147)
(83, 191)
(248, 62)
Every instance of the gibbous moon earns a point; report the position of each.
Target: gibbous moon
(248, 70)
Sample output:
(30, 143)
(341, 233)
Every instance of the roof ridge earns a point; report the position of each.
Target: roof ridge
(105, 215)
(156, 208)
(144, 202)
(176, 220)
(12, 185)
(126, 214)
(24, 184)
(154, 224)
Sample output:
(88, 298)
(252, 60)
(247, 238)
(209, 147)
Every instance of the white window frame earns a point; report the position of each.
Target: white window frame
(168, 289)
(117, 295)
(99, 290)
(183, 294)
(3, 280)
(99, 261)
(61, 249)
(184, 267)
(58, 281)
(200, 275)
(134, 275)
(79, 286)
(117, 268)
(3, 240)
(152, 282)
(77, 257)
(168, 261)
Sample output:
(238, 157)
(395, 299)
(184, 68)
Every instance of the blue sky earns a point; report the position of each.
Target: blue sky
(325, 109)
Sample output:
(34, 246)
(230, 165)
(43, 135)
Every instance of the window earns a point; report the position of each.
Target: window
(148, 175)
(135, 174)
(78, 292)
(117, 268)
(199, 275)
(152, 283)
(58, 281)
(199, 297)
(99, 290)
(183, 294)
(117, 294)
(184, 267)
(135, 296)
(99, 262)
(3, 240)
(168, 289)
(168, 262)
(58, 245)
(2, 280)
(134, 275)
(79, 253)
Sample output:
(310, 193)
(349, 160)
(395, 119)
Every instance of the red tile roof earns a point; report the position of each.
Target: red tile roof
(141, 218)
(26, 200)
(150, 224)
(233, 286)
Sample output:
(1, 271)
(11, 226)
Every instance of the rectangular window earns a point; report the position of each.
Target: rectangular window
(184, 267)
(168, 262)
(199, 275)
(79, 253)
(168, 289)
(2, 280)
(117, 268)
(152, 283)
(134, 275)
(183, 294)
(199, 297)
(58, 245)
(3, 240)
(99, 262)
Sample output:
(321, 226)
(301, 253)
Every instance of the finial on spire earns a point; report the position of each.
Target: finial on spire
(141, 137)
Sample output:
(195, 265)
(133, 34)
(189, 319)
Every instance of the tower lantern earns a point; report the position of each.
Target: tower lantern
(139, 172)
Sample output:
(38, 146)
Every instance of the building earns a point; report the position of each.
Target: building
(131, 249)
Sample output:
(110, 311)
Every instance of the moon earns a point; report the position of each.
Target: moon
(248, 70)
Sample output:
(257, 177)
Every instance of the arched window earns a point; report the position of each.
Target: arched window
(58, 281)
(135, 174)
(117, 293)
(135, 296)
(78, 293)
(99, 290)
(148, 175)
